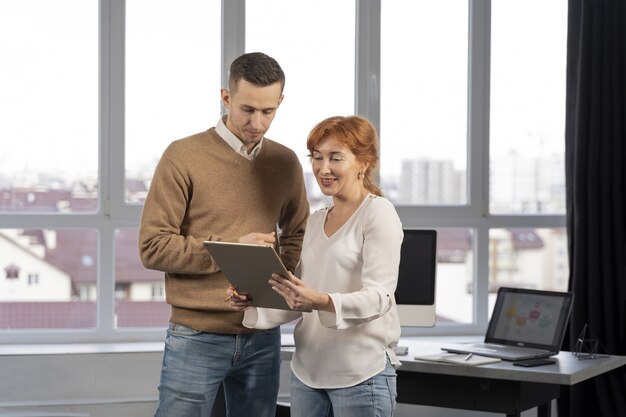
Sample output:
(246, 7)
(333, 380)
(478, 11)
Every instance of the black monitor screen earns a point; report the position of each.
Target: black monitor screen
(418, 265)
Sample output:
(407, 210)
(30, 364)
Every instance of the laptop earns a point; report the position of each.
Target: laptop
(525, 324)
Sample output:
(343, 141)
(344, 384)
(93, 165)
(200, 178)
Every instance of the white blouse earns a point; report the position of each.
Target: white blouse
(358, 267)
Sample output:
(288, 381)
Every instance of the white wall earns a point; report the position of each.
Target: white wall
(96, 384)
(114, 380)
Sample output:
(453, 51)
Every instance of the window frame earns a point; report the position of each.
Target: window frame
(114, 213)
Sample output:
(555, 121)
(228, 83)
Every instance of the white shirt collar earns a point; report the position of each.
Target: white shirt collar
(234, 142)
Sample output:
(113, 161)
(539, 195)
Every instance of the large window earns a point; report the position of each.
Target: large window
(49, 106)
(478, 158)
(423, 126)
(469, 105)
(527, 145)
(172, 87)
(318, 65)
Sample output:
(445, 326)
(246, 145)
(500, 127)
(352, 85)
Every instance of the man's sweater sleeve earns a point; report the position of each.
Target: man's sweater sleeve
(161, 245)
(293, 221)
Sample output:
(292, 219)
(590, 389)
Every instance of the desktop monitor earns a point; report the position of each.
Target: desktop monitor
(415, 293)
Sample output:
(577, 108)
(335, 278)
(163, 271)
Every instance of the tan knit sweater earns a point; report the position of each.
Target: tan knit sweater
(203, 190)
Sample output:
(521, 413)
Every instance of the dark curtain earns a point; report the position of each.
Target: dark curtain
(596, 203)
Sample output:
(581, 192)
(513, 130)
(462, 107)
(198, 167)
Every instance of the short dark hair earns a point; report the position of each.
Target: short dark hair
(256, 68)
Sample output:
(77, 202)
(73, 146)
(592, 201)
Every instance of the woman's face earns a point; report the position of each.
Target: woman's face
(336, 169)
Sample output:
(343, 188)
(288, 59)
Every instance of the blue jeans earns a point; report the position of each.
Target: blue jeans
(375, 397)
(196, 363)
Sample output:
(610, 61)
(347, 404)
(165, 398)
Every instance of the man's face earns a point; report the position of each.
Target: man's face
(251, 110)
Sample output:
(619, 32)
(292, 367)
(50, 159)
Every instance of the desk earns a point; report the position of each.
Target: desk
(497, 388)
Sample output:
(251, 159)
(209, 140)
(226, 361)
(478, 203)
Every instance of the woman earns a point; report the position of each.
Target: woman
(344, 359)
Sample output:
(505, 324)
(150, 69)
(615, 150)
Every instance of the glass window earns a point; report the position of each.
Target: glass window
(139, 292)
(455, 260)
(50, 287)
(315, 48)
(33, 279)
(63, 272)
(527, 120)
(423, 132)
(528, 258)
(49, 106)
(172, 80)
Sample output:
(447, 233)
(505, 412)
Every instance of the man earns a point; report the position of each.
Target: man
(229, 183)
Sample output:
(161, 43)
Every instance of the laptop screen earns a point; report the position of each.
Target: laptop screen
(530, 318)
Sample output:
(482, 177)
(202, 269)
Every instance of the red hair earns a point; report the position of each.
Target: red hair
(357, 134)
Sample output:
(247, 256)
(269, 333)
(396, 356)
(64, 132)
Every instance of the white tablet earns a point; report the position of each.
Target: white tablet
(249, 267)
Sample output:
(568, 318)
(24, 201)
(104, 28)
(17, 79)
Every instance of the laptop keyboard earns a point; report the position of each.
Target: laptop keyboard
(494, 347)
(490, 347)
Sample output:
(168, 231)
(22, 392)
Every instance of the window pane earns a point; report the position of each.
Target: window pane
(455, 256)
(49, 105)
(172, 80)
(139, 292)
(527, 145)
(318, 59)
(48, 278)
(424, 101)
(527, 258)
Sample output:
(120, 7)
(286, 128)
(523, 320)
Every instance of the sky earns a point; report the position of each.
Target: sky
(49, 100)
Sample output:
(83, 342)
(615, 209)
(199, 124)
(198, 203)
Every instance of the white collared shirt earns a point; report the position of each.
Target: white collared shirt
(235, 143)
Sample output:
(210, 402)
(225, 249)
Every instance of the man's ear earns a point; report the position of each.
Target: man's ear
(225, 98)
(280, 100)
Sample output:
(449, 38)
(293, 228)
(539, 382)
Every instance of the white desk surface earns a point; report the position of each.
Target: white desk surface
(568, 370)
